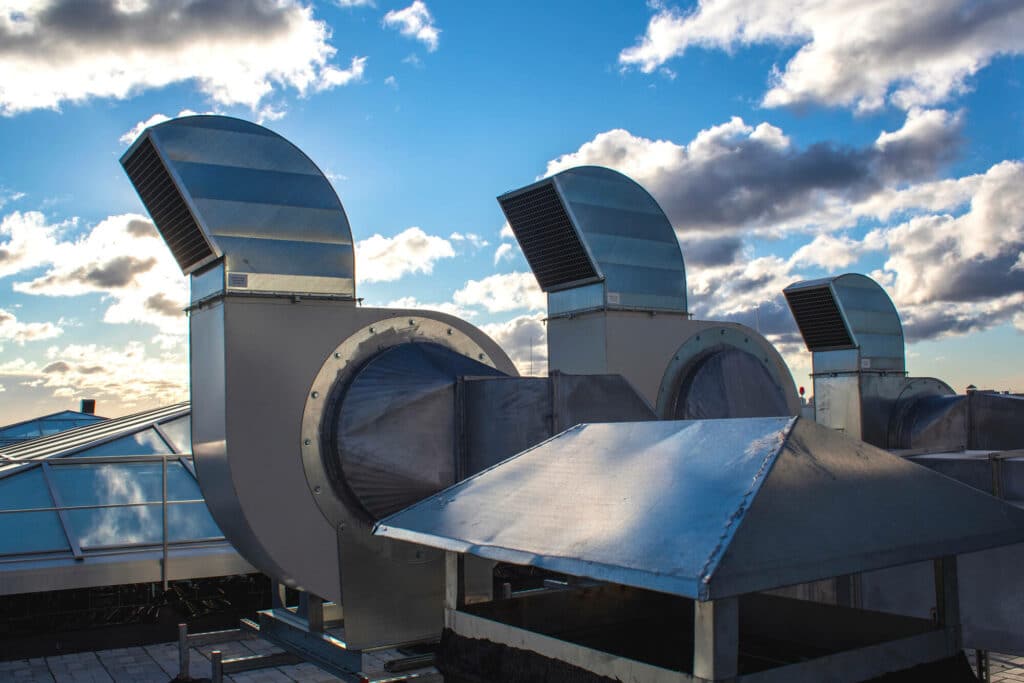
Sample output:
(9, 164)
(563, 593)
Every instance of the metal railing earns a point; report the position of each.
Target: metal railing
(74, 537)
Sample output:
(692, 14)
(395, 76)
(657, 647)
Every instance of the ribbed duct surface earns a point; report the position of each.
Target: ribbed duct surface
(165, 204)
(549, 241)
(818, 318)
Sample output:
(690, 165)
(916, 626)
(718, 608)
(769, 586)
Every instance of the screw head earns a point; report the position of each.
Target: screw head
(449, 331)
(480, 356)
(337, 355)
(307, 442)
(316, 394)
(316, 490)
(371, 330)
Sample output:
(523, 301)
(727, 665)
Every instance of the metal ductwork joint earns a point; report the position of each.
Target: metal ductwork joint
(610, 262)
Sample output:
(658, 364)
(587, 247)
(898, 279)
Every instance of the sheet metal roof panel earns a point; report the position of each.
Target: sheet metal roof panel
(72, 439)
(649, 504)
(708, 508)
(833, 505)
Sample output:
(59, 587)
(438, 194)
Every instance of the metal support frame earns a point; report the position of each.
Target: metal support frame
(716, 639)
(72, 539)
(947, 600)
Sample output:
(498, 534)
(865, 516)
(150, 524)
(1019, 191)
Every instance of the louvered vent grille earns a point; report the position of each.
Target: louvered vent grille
(818, 318)
(548, 239)
(166, 205)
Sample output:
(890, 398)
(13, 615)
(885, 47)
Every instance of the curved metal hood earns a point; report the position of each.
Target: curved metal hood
(231, 193)
(595, 239)
(850, 318)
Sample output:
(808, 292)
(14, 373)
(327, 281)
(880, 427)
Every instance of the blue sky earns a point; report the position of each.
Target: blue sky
(801, 139)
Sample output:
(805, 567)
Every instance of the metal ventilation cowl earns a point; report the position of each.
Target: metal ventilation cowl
(595, 239)
(226, 191)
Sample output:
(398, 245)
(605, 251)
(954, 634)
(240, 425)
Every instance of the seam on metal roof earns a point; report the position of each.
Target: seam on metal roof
(736, 518)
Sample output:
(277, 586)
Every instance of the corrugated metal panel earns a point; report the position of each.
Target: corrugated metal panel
(66, 442)
(820, 322)
(549, 241)
(168, 208)
(708, 508)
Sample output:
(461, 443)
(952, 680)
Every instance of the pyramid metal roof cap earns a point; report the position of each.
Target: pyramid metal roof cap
(708, 509)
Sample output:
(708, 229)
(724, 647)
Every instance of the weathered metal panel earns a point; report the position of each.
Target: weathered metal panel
(708, 509)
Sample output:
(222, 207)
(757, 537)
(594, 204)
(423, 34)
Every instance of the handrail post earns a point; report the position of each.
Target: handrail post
(184, 672)
(163, 562)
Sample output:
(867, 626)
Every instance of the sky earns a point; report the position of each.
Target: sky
(785, 139)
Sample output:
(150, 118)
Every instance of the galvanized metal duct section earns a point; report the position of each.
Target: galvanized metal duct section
(231, 193)
(610, 262)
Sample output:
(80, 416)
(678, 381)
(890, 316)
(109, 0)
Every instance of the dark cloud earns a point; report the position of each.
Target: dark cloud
(718, 251)
(980, 279)
(159, 303)
(759, 183)
(137, 228)
(116, 273)
(58, 366)
(92, 369)
(67, 25)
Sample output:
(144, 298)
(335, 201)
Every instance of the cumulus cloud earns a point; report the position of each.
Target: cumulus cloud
(235, 51)
(962, 259)
(383, 259)
(470, 238)
(503, 292)
(415, 21)
(110, 374)
(122, 258)
(851, 54)
(448, 307)
(130, 136)
(12, 329)
(525, 340)
(504, 252)
(355, 3)
(739, 177)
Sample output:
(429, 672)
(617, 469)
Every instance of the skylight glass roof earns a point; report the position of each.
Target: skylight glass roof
(86, 493)
(45, 426)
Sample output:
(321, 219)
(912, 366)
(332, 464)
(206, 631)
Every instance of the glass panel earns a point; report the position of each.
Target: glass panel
(117, 526)
(29, 430)
(146, 442)
(31, 532)
(179, 431)
(190, 522)
(26, 489)
(139, 482)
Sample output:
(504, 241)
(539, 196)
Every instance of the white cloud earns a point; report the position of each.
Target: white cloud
(852, 54)
(383, 259)
(11, 329)
(504, 252)
(121, 258)
(130, 136)
(355, 3)
(125, 375)
(7, 196)
(506, 229)
(829, 252)
(503, 292)
(235, 51)
(525, 341)
(411, 302)
(474, 240)
(415, 21)
(391, 82)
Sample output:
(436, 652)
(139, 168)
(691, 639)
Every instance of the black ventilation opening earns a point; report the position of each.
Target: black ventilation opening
(818, 317)
(549, 241)
(166, 206)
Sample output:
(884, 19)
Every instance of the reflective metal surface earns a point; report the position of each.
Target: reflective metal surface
(846, 312)
(222, 187)
(709, 508)
(614, 232)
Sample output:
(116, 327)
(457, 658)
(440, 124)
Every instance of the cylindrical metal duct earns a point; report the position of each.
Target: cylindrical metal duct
(390, 437)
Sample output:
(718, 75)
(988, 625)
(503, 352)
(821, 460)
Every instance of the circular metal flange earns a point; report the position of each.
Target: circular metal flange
(337, 370)
(705, 342)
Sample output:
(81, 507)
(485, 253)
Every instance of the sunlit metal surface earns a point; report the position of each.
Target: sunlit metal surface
(590, 225)
(708, 509)
(222, 187)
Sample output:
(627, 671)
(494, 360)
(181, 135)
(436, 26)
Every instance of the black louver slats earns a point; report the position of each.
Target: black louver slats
(167, 207)
(818, 317)
(549, 241)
